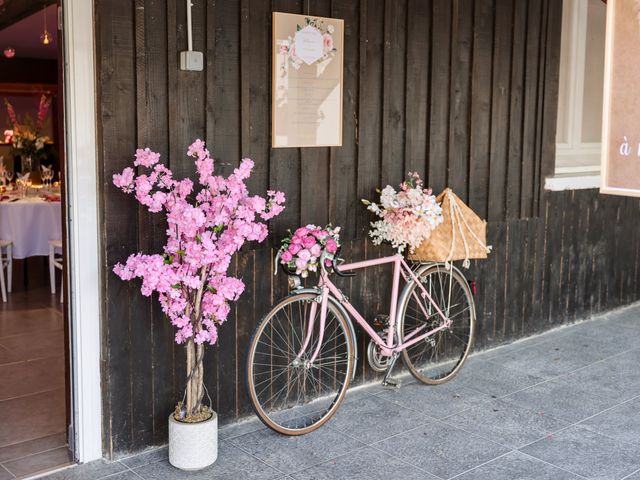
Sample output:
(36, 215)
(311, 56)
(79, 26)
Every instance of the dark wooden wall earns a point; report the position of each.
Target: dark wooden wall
(462, 91)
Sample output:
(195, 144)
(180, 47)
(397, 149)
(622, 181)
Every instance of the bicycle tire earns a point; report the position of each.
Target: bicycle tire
(309, 400)
(439, 363)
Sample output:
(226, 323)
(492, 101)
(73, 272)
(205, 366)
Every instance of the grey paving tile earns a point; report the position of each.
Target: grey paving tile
(290, 454)
(587, 453)
(492, 378)
(514, 466)
(145, 458)
(633, 476)
(564, 400)
(556, 355)
(234, 430)
(371, 419)
(621, 422)
(126, 475)
(510, 425)
(232, 464)
(5, 475)
(93, 470)
(576, 348)
(616, 378)
(442, 449)
(364, 464)
(616, 334)
(437, 401)
(628, 317)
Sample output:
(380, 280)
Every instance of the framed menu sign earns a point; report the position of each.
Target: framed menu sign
(621, 115)
(307, 81)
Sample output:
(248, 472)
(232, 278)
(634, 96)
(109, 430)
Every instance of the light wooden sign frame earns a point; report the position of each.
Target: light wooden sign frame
(290, 127)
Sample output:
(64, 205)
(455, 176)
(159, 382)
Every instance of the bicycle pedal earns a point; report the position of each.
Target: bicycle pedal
(390, 383)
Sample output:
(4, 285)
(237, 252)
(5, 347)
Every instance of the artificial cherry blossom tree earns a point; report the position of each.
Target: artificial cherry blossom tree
(206, 225)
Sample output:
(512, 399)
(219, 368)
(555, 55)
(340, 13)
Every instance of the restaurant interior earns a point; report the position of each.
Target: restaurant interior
(34, 393)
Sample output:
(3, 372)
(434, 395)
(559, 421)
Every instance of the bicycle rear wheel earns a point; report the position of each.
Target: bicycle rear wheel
(293, 396)
(439, 357)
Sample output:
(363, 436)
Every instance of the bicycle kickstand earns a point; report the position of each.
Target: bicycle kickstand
(387, 382)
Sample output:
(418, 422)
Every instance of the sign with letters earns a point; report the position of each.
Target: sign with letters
(307, 81)
(621, 114)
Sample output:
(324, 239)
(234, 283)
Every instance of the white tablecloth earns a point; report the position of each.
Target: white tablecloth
(30, 224)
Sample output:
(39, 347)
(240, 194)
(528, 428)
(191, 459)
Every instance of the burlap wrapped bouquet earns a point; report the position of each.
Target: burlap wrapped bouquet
(461, 236)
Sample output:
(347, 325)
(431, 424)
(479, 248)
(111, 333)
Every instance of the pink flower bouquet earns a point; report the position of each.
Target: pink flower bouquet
(205, 227)
(301, 251)
(407, 217)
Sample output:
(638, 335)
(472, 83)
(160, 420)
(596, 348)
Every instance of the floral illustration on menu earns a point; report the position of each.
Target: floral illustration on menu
(311, 43)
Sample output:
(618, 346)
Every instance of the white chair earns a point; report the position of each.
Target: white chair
(6, 263)
(55, 261)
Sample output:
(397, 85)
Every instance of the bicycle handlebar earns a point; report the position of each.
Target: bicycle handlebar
(334, 259)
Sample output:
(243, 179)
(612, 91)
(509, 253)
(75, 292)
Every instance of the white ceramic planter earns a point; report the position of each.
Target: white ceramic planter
(193, 446)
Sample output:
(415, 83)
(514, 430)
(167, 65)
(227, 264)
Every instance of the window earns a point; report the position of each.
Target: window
(578, 139)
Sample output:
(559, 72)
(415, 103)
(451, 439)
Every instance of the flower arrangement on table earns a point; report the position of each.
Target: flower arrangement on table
(301, 251)
(26, 137)
(407, 217)
(288, 47)
(206, 226)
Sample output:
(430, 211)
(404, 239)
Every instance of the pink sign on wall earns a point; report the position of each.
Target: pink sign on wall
(621, 115)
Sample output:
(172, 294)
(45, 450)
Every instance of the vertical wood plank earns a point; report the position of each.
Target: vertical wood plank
(531, 69)
(514, 159)
(481, 90)
(460, 92)
(551, 87)
(255, 86)
(393, 92)
(538, 199)
(141, 326)
(370, 105)
(187, 98)
(440, 83)
(223, 108)
(116, 119)
(417, 96)
(500, 109)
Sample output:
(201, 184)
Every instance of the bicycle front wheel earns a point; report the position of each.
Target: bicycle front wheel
(291, 394)
(439, 357)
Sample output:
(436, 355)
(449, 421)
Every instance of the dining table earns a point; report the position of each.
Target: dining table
(30, 222)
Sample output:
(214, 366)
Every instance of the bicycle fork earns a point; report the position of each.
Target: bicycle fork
(312, 317)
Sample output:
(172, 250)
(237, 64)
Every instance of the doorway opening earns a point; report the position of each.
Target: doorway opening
(34, 328)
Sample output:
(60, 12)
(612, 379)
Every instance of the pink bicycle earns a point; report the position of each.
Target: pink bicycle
(302, 355)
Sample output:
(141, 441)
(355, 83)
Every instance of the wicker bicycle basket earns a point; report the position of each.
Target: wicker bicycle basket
(461, 236)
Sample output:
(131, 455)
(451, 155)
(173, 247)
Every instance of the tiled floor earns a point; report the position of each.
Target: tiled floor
(559, 406)
(32, 382)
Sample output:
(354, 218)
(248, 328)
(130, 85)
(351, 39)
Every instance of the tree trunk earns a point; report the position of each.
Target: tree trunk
(191, 401)
(195, 354)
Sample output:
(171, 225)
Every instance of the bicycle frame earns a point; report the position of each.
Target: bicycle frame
(387, 348)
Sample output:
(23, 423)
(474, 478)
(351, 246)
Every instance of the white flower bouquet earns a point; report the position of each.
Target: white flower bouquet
(407, 217)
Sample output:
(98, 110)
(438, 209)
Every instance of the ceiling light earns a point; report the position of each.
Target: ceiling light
(45, 38)
(9, 52)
